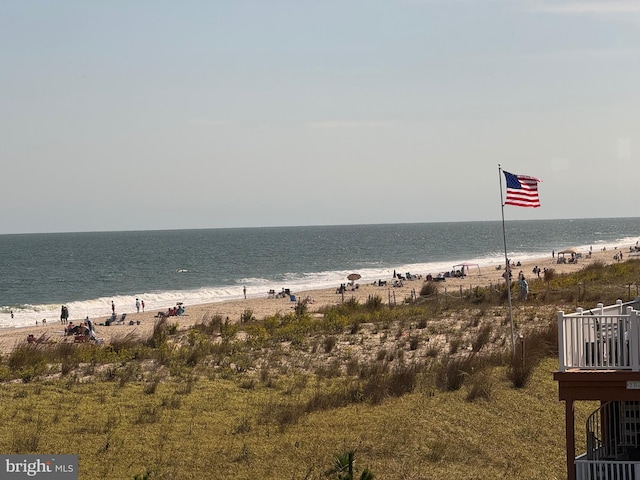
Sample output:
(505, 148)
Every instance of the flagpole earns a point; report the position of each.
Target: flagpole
(508, 267)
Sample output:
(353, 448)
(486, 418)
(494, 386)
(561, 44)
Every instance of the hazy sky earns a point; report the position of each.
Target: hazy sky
(140, 115)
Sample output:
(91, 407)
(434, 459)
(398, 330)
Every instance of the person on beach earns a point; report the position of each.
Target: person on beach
(113, 307)
(142, 304)
(64, 315)
(138, 305)
(524, 289)
(244, 291)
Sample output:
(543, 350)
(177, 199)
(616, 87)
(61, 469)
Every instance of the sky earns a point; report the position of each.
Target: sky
(160, 114)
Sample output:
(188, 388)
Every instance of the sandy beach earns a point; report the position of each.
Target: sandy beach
(266, 306)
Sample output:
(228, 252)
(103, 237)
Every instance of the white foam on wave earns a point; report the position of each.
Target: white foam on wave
(27, 315)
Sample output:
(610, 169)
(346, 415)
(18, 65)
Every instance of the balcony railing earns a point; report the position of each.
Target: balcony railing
(606, 469)
(602, 338)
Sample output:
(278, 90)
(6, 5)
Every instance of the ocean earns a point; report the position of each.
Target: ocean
(86, 271)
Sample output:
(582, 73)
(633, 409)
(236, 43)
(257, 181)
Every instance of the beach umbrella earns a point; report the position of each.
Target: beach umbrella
(352, 277)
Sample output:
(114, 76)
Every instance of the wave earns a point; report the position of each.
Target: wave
(26, 314)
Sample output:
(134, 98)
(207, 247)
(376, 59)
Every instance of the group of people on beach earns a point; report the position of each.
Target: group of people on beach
(80, 329)
(173, 311)
(139, 304)
(537, 270)
(347, 286)
(83, 330)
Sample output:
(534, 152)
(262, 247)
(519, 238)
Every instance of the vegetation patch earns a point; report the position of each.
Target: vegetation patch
(431, 387)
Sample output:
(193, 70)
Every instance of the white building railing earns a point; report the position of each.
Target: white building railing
(606, 469)
(600, 338)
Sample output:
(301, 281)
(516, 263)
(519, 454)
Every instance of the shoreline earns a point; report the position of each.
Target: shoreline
(95, 300)
(262, 307)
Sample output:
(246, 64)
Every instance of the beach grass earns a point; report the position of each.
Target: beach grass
(426, 389)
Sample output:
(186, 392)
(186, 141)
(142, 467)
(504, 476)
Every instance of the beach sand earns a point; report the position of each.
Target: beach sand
(264, 306)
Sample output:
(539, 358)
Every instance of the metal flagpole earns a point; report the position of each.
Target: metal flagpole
(507, 272)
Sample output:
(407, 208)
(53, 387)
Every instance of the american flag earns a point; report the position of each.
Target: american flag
(522, 191)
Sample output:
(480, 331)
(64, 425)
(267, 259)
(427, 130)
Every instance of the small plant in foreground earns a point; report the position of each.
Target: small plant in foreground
(246, 316)
(344, 466)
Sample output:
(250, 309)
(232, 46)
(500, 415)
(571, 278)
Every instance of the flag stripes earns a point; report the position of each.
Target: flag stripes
(522, 190)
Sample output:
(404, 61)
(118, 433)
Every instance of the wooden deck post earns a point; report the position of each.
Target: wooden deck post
(571, 442)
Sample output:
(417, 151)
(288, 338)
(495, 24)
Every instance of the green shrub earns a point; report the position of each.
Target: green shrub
(301, 308)
(210, 325)
(428, 289)
(374, 302)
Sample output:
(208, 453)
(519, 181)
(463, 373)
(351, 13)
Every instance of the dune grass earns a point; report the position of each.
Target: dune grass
(286, 396)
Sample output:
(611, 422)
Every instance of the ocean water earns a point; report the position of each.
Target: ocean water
(86, 271)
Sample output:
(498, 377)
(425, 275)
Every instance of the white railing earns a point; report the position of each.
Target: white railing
(606, 470)
(600, 338)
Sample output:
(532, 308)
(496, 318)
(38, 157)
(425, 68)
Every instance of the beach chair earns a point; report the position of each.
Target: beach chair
(111, 320)
(292, 298)
(122, 318)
